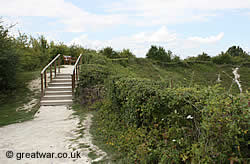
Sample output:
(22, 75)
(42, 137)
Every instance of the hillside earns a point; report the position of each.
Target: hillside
(157, 112)
(181, 73)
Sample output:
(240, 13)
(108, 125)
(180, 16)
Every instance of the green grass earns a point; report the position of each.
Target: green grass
(22, 95)
(200, 74)
(204, 74)
(113, 155)
(92, 155)
(83, 145)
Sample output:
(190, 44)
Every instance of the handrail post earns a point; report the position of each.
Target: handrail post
(73, 82)
(45, 80)
(59, 65)
(50, 73)
(76, 73)
(55, 68)
(42, 84)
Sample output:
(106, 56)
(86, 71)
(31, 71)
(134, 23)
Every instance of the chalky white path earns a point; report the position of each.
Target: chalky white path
(50, 131)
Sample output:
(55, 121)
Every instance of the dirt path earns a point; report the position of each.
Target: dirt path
(53, 130)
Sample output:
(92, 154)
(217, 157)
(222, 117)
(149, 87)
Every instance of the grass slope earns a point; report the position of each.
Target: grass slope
(22, 95)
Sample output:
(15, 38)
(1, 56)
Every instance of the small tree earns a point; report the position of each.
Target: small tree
(126, 53)
(8, 61)
(236, 51)
(159, 53)
(109, 52)
(203, 57)
(223, 58)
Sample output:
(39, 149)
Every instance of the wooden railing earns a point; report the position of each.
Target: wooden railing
(56, 62)
(75, 73)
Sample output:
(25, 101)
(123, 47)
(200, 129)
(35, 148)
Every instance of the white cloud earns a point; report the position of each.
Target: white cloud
(210, 39)
(161, 35)
(159, 12)
(161, 5)
(140, 43)
(75, 18)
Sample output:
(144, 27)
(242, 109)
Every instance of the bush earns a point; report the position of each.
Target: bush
(8, 61)
(156, 124)
(223, 58)
(110, 53)
(92, 74)
(159, 53)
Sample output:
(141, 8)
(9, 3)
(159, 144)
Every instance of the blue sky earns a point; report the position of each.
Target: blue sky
(186, 27)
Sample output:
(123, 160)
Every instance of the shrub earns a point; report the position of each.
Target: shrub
(109, 52)
(156, 124)
(126, 53)
(92, 74)
(223, 58)
(8, 61)
(159, 53)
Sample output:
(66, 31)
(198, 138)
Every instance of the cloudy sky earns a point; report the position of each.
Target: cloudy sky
(186, 27)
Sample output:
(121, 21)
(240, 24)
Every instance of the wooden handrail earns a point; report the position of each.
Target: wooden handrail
(44, 74)
(46, 67)
(75, 72)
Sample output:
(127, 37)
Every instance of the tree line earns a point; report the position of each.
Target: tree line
(234, 55)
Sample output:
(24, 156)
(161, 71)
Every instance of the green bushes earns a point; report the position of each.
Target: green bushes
(92, 74)
(159, 53)
(156, 124)
(151, 123)
(8, 61)
(110, 53)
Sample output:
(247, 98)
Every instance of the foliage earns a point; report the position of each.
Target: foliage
(14, 100)
(109, 52)
(8, 61)
(126, 53)
(236, 51)
(159, 53)
(112, 54)
(151, 123)
(92, 74)
(203, 57)
(234, 55)
(163, 125)
(222, 58)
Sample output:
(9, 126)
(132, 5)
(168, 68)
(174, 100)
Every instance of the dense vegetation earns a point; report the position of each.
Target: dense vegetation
(24, 54)
(160, 109)
(156, 112)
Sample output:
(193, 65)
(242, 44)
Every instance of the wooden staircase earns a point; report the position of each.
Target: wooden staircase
(59, 91)
(62, 82)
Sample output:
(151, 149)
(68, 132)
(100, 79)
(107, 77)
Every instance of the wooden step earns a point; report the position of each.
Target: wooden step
(55, 102)
(63, 77)
(61, 81)
(58, 93)
(53, 84)
(63, 74)
(57, 97)
(59, 89)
